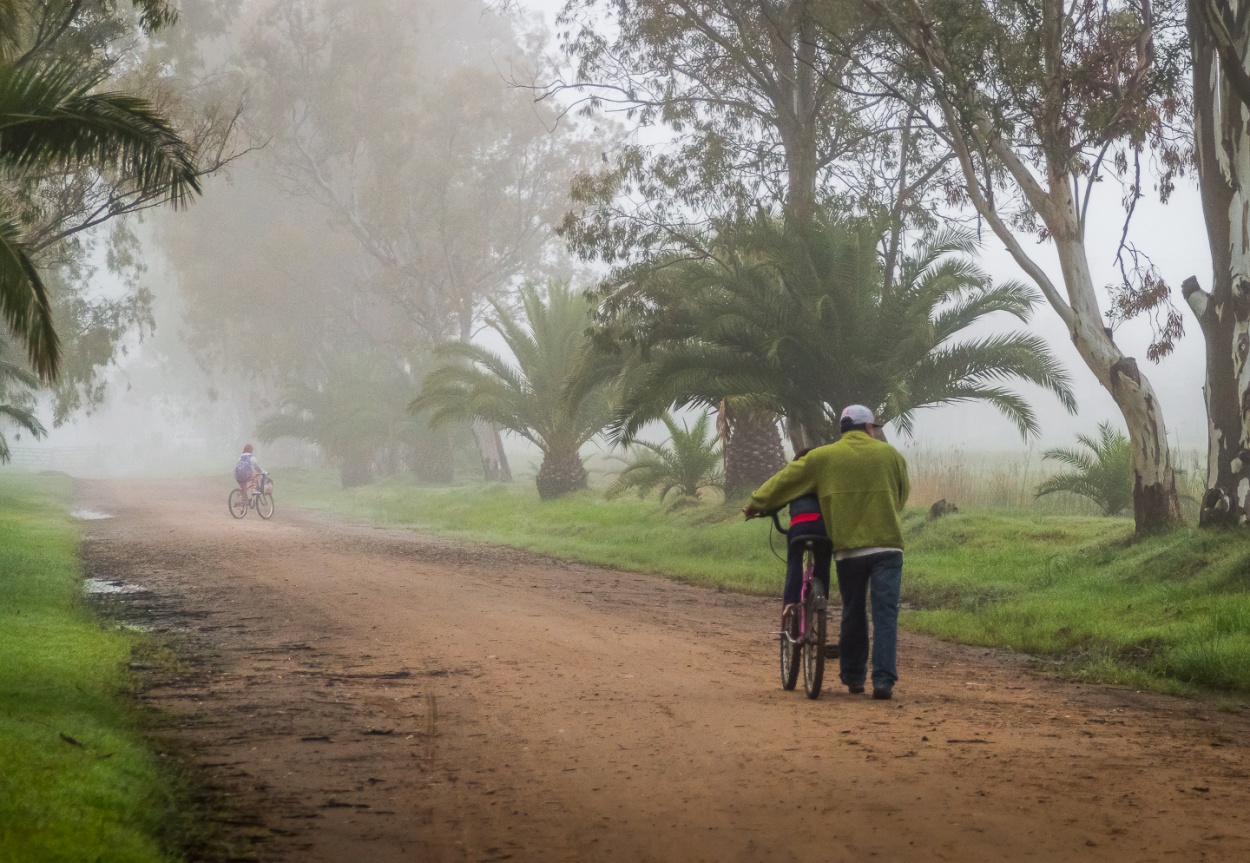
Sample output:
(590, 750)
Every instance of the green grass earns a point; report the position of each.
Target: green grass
(1169, 613)
(63, 678)
(704, 545)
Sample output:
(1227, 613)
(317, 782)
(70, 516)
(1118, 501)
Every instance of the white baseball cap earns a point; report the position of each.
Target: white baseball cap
(858, 415)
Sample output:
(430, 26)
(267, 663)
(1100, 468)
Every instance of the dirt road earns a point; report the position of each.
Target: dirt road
(375, 695)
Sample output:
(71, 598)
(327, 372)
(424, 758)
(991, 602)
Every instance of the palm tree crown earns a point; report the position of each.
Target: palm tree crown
(803, 327)
(530, 396)
(688, 463)
(352, 407)
(1101, 472)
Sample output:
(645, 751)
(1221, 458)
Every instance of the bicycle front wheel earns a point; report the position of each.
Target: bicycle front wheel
(237, 502)
(789, 649)
(814, 643)
(264, 505)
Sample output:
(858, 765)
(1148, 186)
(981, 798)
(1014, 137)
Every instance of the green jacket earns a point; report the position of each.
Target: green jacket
(862, 485)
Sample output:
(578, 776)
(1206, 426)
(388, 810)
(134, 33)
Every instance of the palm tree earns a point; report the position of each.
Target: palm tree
(688, 463)
(11, 373)
(530, 397)
(1101, 472)
(353, 409)
(803, 327)
(50, 117)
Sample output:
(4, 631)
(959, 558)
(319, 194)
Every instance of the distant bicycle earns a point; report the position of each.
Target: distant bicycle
(803, 625)
(259, 498)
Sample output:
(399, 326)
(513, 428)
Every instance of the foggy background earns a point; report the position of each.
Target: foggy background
(185, 397)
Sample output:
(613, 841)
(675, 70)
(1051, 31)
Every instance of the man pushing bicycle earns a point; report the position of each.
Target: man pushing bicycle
(862, 485)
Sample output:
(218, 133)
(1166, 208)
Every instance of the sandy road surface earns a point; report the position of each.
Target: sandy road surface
(375, 695)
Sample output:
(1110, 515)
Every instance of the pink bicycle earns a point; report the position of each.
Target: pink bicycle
(803, 625)
(259, 497)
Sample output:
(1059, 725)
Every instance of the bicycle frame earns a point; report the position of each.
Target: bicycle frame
(809, 573)
(802, 640)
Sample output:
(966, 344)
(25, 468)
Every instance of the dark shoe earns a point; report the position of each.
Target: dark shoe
(855, 688)
(881, 694)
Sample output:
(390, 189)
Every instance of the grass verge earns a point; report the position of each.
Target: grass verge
(1169, 613)
(78, 782)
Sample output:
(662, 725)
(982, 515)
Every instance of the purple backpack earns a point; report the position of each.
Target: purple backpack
(243, 469)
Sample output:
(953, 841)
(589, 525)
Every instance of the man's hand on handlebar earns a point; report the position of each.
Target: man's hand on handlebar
(748, 512)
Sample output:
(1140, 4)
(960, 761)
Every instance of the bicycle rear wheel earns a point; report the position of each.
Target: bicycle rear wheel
(264, 506)
(237, 501)
(814, 643)
(789, 639)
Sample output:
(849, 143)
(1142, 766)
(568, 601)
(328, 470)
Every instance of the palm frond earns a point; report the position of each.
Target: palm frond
(687, 463)
(22, 419)
(1102, 472)
(534, 395)
(24, 303)
(799, 325)
(48, 115)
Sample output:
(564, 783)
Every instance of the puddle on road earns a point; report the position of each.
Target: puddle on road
(127, 626)
(102, 585)
(88, 514)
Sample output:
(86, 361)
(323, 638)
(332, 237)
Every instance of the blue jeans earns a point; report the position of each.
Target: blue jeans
(879, 576)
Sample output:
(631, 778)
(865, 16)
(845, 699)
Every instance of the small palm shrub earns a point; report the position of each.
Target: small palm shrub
(1102, 470)
(687, 464)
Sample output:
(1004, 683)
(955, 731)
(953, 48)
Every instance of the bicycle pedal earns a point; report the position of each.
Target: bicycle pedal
(832, 651)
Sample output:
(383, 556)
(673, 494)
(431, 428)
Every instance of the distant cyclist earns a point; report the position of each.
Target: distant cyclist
(246, 471)
(862, 485)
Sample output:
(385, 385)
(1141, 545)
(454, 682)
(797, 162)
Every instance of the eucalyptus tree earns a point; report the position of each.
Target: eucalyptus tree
(1219, 36)
(803, 328)
(1040, 101)
(756, 106)
(530, 395)
(756, 109)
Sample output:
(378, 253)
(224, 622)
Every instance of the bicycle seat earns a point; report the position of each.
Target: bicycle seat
(814, 540)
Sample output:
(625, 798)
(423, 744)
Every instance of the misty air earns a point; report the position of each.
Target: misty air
(624, 430)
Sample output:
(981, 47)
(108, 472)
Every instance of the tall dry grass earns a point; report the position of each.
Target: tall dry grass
(1007, 480)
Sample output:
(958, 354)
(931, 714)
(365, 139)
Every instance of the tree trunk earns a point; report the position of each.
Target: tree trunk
(356, 470)
(751, 444)
(1223, 160)
(432, 458)
(1155, 504)
(490, 447)
(559, 474)
(796, 116)
(801, 437)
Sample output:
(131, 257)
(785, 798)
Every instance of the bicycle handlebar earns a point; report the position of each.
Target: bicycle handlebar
(772, 513)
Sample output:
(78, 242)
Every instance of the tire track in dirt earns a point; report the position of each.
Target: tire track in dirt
(375, 695)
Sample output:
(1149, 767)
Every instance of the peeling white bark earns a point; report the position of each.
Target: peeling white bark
(1222, 140)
